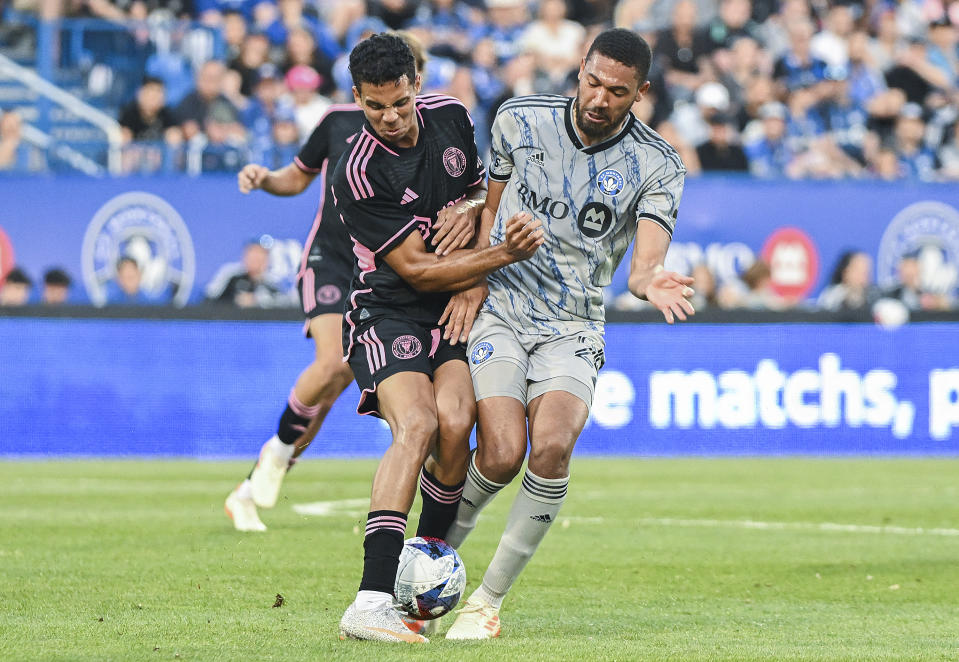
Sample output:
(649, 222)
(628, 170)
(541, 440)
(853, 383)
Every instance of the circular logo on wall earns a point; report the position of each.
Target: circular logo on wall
(7, 259)
(481, 352)
(929, 232)
(146, 228)
(595, 220)
(610, 182)
(328, 294)
(793, 262)
(454, 160)
(406, 347)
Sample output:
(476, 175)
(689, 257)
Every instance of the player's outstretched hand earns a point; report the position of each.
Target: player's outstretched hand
(461, 312)
(670, 292)
(251, 177)
(455, 226)
(523, 236)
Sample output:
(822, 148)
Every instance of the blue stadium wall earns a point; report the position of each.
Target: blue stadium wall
(102, 387)
(80, 224)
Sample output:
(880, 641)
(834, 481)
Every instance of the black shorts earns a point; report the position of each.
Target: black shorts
(388, 346)
(326, 271)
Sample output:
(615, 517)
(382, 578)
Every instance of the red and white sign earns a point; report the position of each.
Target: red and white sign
(6, 256)
(793, 261)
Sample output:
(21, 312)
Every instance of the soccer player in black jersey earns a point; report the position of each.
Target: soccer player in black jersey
(413, 158)
(323, 280)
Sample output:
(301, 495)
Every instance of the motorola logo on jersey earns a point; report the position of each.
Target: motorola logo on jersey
(406, 347)
(543, 205)
(595, 220)
(454, 160)
(610, 182)
(481, 353)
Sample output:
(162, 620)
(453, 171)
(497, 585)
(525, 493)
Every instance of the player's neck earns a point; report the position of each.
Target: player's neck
(589, 142)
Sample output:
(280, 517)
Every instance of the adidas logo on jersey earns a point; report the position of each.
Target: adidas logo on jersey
(537, 158)
(541, 518)
(408, 197)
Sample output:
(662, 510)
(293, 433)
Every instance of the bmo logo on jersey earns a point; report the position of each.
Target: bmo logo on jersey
(595, 220)
(544, 205)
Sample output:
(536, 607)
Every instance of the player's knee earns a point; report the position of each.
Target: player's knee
(418, 429)
(549, 458)
(500, 463)
(456, 423)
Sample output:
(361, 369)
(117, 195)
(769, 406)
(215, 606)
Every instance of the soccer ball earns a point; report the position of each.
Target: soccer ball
(430, 579)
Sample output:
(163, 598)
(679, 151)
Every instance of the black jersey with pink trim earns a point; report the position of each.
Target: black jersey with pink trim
(384, 193)
(328, 242)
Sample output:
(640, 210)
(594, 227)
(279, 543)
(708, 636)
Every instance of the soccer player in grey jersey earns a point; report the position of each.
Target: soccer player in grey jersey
(598, 179)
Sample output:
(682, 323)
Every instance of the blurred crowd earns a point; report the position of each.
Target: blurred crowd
(778, 88)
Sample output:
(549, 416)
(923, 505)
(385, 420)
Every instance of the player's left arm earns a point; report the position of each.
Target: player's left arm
(656, 213)
(667, 290)
(456, 225)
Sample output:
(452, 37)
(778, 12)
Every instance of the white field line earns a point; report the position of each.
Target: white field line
(357, 507)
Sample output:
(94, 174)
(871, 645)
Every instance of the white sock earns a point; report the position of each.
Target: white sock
(477, 492)
(282, 451)
(366, 600)
(243, 491)
(534, 511)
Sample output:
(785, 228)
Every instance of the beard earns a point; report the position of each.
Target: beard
(594, 130)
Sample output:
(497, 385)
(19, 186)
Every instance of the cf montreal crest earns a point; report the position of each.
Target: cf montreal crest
(406, 347)
(454, 160)
(929, 232)
(610, 182)
(481, 352)
(146, 228)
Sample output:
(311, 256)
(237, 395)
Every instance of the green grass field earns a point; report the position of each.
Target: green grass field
(686, 559)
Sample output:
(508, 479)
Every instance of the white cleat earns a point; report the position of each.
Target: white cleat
(267, 477)
(476, 620)
(243, 513)
(425, 628)
(381, 624)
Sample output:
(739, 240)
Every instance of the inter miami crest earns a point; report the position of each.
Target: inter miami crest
(454, 160)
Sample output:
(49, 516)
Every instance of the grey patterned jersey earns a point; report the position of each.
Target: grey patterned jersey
(589, 199)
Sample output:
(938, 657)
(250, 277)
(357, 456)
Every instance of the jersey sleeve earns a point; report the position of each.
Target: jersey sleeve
(659, 200)
(376, 222)
(475, 170)
(501, 159)
(316, 149)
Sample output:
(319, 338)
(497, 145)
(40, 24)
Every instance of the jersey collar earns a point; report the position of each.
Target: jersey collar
(598, 147)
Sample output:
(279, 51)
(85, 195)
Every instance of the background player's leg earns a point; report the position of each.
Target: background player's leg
(556, 419)
(315, 391)
(500, 450)
(325, 379)
(441, 479)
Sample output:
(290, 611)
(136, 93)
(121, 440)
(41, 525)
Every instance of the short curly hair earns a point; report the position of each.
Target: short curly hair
(624, 46)
(383, 58)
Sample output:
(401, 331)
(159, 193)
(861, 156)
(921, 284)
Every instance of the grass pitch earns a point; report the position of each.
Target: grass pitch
(687, 559)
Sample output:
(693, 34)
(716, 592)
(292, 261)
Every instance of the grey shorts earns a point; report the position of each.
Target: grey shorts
(506, 362)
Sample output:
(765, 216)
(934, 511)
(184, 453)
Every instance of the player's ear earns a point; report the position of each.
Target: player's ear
(418, 83)
(582, 68)
(356, 96)
(641, 92)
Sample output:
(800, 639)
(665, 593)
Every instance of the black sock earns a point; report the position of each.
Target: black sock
(295, 419)
(439, 506)
(385, 531)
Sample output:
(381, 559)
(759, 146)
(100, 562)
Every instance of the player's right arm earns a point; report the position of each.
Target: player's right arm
(464, 268)
(288, 180)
